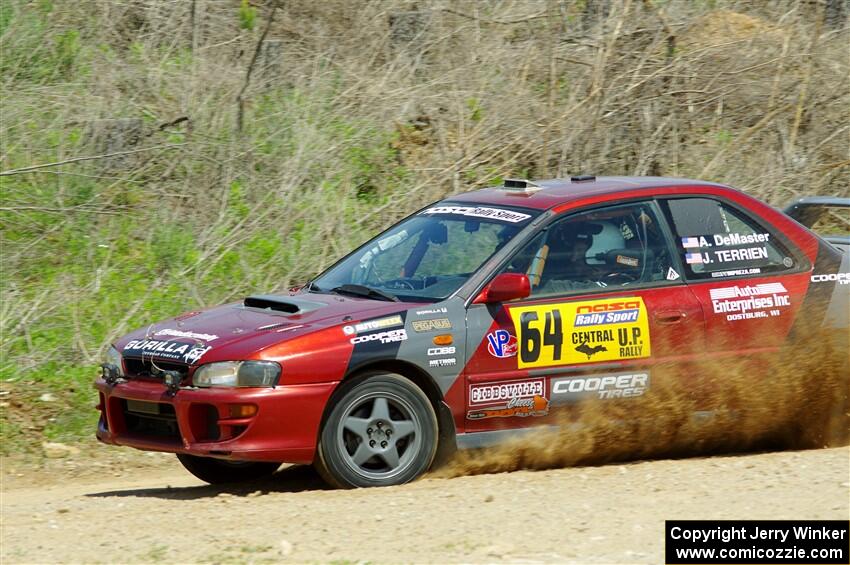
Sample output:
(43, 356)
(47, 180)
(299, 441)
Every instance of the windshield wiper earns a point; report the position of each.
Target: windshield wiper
(364, 291)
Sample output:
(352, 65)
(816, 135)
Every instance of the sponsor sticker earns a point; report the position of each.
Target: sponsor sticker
(430, 311)
(840, 278)
(628, 261)
(735, 273)
(434, 351)
(431, 325)
(449, 362)
(515, 407)
(630, 313)
(581, 332)
(372, 325)
(672, 275)
(479, 212)
(191, 335)
(194, 355)
(501, 344)
(390, 336)
(750, 302)
(501, 392)
(615, 385)
(174, 350)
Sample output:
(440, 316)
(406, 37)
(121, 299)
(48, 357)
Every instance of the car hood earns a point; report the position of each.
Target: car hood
(239, 330)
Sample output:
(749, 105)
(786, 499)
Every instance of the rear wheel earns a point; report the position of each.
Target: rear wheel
(219, 471)
(382, 431)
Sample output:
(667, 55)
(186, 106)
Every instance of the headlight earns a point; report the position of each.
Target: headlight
(237, 373)
(113, 358)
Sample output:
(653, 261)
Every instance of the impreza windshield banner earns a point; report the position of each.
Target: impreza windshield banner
(479, 212)
(581, 332)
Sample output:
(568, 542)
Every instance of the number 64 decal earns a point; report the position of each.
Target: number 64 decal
(581, 332)
(530, 336)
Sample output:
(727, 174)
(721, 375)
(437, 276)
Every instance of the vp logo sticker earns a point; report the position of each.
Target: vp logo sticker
(501, 344)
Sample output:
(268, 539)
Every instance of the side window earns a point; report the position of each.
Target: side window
(716, 240)
(611, 247)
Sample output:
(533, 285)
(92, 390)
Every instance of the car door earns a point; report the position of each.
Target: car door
(749, 279)
(608, 307)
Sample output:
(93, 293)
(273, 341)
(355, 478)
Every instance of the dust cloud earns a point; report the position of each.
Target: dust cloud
(792, 400)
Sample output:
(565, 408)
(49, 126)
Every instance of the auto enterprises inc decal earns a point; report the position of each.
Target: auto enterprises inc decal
(581, 332)
(750, 302)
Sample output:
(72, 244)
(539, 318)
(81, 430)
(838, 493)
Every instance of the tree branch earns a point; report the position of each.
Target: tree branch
(539, 16)
(240, 98)
(89, 158)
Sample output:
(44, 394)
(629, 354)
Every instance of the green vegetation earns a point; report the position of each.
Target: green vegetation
(346, 130)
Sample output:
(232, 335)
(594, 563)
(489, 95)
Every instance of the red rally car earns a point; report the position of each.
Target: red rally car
(469, 322)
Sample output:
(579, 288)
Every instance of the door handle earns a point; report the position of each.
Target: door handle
(670, 316)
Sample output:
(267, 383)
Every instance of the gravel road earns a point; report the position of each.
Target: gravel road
(605, 514)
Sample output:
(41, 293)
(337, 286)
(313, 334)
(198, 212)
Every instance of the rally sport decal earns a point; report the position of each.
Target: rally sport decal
(581, 332)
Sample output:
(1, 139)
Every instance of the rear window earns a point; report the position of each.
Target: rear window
(716, 240)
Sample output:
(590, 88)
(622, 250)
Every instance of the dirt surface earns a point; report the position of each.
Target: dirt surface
(156, 512)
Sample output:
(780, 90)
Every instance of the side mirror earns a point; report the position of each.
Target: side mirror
(506, 286)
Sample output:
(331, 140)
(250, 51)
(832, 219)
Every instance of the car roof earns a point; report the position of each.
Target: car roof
(556, 192)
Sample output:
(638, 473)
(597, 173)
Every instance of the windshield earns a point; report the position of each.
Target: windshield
(429, 255)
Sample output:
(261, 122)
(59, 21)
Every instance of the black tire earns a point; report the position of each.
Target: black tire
(219, 471)
(380, 431)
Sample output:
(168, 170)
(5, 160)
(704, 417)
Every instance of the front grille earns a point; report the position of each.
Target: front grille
(150, 419)
(152, 369)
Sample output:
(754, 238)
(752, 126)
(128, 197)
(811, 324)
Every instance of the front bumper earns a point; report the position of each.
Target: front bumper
(210, 422)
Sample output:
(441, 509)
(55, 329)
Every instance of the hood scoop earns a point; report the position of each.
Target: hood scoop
(288, 305)
(275, 326)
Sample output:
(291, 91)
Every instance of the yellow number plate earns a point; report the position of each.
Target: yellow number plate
(581, 332)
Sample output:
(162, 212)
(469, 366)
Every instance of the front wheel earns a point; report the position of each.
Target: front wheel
(382, 431)
(219, 471)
